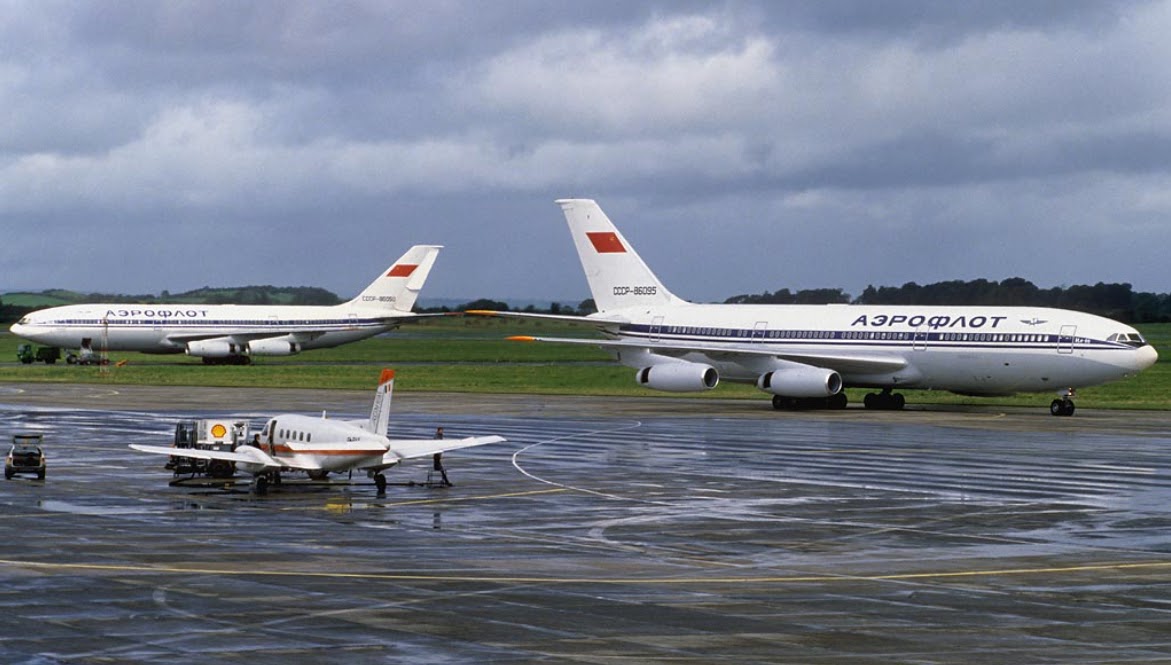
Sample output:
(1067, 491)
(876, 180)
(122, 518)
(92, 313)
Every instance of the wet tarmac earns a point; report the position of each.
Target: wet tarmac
(605, 531)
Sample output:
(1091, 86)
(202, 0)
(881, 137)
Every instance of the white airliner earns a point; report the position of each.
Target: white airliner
(320, 446)
(805, 354)
(232, 334)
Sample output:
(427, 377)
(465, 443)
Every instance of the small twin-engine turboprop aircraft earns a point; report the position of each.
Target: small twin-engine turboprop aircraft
(320, 446)
(233, 334)
(805, 354)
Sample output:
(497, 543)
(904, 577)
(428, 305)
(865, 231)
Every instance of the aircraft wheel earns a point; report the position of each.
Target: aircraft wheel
(260, 485)
(838, 401)
(897, 402)
(1060, 407)
(781, 403)
(870, 401)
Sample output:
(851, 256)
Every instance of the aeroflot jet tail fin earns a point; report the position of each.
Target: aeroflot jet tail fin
(617, 276)
(398, 287)
(380, 412)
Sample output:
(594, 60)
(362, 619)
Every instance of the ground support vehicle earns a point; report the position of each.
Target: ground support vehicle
(27, 354)
(25, 456)
(207, 434)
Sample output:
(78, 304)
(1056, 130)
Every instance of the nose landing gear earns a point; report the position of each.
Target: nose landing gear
(1064, 405)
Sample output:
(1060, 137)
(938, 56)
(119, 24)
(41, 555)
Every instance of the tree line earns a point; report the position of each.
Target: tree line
(1116, 301)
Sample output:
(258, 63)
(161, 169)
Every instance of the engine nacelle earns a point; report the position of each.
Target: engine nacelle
(280, 346)
(681, 377)
(220, 347)
(801, 381)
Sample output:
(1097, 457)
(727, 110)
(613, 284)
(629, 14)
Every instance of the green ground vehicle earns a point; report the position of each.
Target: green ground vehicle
(25, 456)
(46, 354)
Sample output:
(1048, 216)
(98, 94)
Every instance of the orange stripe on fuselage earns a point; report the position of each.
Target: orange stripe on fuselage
(284, 448)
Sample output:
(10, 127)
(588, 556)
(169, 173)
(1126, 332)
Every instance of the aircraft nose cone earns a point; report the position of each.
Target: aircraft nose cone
(1145, 357)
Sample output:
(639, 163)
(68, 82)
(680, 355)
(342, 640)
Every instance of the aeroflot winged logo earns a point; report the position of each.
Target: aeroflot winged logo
(402, 270)
(606, 242)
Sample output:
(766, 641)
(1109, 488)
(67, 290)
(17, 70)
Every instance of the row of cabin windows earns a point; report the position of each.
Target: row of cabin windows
(290, 435)
(864, 335)
(205, 322)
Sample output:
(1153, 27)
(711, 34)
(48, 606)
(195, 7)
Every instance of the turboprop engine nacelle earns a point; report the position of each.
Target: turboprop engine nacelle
(801, 381)
(280, 346)
(219, 347)
(681, 377)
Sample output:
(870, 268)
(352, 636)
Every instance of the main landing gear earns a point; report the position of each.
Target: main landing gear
(885, 401)
(1064, 405)
(782, 403)
(261, 481)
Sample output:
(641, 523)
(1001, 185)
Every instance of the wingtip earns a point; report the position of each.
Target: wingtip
(520, 338)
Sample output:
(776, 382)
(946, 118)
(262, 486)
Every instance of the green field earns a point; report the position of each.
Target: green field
(457, 354)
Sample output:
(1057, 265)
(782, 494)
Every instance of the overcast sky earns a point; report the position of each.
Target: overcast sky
(740, 146)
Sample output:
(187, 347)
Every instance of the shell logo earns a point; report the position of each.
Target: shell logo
(218, 430)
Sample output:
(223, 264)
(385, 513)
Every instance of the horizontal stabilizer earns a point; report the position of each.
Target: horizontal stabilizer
(410, 449)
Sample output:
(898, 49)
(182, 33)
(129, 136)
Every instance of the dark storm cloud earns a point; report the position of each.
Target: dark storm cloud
(782, 144)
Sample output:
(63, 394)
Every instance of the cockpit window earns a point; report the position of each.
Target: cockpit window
(1130, 339)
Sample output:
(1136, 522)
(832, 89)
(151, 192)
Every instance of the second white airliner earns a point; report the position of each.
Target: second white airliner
(805, 354)
(232, 334)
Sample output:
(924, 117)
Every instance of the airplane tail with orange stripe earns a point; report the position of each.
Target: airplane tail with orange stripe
(397, 288)
(617, 275)
(380, 412)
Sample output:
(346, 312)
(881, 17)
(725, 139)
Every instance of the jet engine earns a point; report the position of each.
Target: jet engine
(220, 347)
(801, 381)
(280, 346)
(680, 377)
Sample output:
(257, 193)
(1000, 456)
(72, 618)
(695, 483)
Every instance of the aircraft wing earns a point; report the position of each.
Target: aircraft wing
(243, 455)
(596, 321)
(240, 336)
(301, 335)
(852, 363)
(410, 449)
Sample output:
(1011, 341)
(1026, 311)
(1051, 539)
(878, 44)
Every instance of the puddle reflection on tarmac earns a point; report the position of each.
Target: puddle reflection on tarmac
(602, 533)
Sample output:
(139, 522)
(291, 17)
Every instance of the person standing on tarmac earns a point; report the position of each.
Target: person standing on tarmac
(437, 460)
